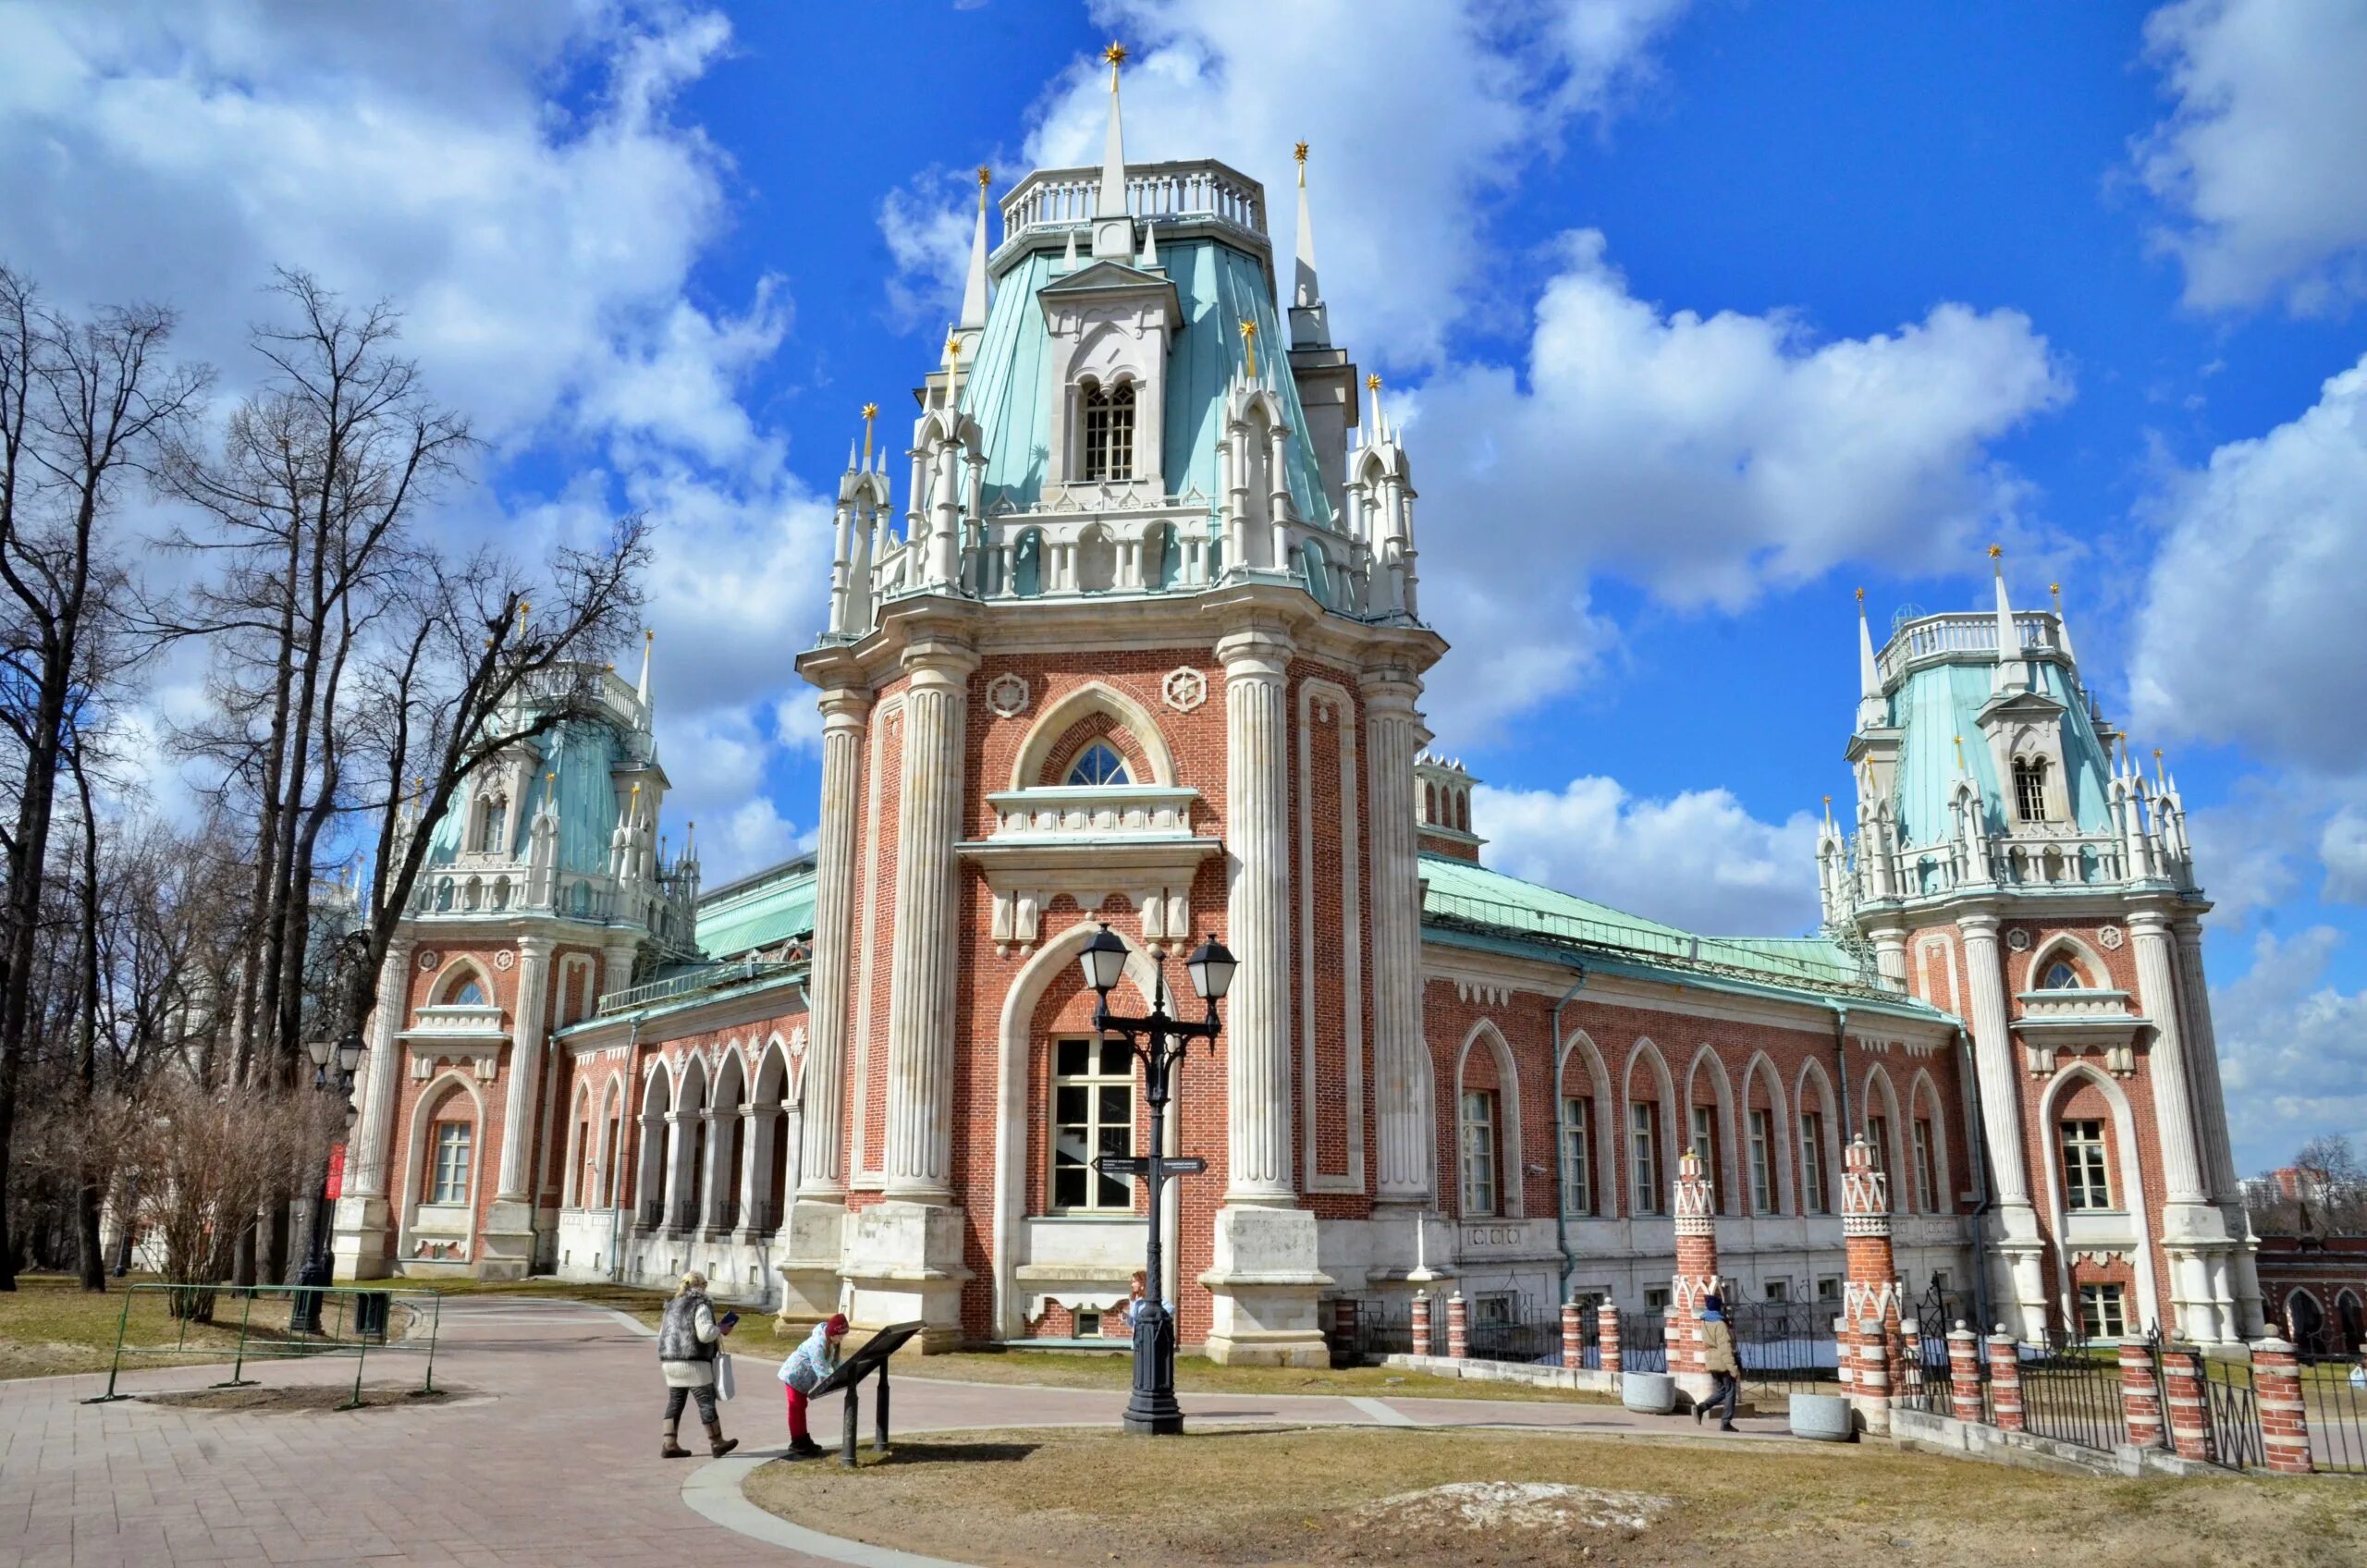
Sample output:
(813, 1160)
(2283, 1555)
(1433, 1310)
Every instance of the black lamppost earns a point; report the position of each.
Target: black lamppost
(333, 1065)
(1159, 1042)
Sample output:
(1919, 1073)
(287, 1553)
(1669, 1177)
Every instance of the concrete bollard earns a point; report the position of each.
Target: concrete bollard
(1458, 1328)
(1574, 1340)
(1964, 1372)
(2140, 1400)
(1422, 1342)
(2283, 1419)
(2005, 1381)
(2190, 1418)
(1606, 1317)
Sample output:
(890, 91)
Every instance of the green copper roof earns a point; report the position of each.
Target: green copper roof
(1217, 288)
(758, 911)
(1936, 705)
(1471, 896)
(581, 753)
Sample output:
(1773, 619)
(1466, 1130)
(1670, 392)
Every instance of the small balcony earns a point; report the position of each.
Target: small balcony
(1176, 194)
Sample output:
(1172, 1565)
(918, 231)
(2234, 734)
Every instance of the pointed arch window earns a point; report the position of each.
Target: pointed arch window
(1099, 765)
(2061, 977)
(468, 993)
(493, 821)
(1109, 433)
(2029, 789)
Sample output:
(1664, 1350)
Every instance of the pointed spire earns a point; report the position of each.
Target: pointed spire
(870, 412)
(1150, 247)
(953, 372)
(1113, 200)
(648, 639)
(1068, 258)
(974, 293)
(1379, 431)
(1310, 322)
(2013, 669)
(1873, 712)
(852, 467)
(2062, 626)
(1249, 345)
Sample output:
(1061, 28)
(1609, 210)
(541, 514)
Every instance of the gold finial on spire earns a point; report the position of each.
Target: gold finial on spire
(1995, 551)
(1862, 596)
(1249, 344)
(870, 412)
(522, 607)
(1828, 811)
(550, 784)
(1298, 156)
(1116, 56)
(1372, 382)
(985, 177)
(1959, 753)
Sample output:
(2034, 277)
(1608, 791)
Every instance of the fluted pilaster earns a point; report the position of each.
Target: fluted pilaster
(2202, 1046)
(1395, 736)
(525, 1068)
(1993, 1044)
(821, 1157)
(2174, 1115)
(1258, 1078)
(380, 1087)
(920, 1015)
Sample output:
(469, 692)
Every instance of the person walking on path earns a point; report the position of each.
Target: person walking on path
(1718, 1360)
(688, 1338)
(804, 1371)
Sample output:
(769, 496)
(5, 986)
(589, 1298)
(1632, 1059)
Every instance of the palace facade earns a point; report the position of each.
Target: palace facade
(1144, 646)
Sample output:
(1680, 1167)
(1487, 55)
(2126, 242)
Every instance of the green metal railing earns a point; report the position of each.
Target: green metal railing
(352, 1320)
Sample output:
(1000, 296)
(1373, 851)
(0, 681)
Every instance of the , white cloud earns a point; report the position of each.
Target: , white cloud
(1710, 457)
(2292, 1049)
(2342, 847)
(2250, 630)
(2260, 159)
(1420, 114)
(1697, 859)
(513, 178)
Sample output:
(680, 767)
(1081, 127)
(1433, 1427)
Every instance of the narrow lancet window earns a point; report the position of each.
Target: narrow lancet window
(1109, 433)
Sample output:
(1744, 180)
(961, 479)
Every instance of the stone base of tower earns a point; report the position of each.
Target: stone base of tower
(506, 1247)
(2201, 1258)
(816, 1241)
(1267, 1286)
(2017, 1277)
(903, 1264)
(358, 1239)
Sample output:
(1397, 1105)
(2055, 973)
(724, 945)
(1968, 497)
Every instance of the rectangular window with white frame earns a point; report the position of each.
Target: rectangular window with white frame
(449, 1176)
(1092, 1114)
(1577, 1155)
(1644, 1157)
(1762, 1162)
(2085, 1184)
(2101, 1312)
(1479, 1180)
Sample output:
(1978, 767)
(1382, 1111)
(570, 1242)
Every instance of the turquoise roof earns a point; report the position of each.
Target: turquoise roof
(1216, 288)
(582, 753)
(1936, 705)
(1473, 896)
(756, 912)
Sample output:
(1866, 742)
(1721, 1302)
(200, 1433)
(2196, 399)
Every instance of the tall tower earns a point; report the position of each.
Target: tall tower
(2006, 867)
(1140, 649)
(544, 884)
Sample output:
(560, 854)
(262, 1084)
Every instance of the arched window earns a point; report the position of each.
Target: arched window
(468, 993)
(1461, 811)
(2061, 977)
(1099, 765)
(493, 820)
(2029, 789)
(1109, 433)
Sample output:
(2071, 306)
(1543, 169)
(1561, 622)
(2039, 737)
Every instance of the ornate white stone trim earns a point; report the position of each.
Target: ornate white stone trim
(2018, 938)
(1184, 688)
(504, 960)
(1007, 695)
(429, 957)
(2110, 938)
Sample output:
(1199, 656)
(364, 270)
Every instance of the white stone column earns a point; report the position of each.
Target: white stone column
(755, 1156)
(677, 1167)
(716, 1182)
(821, 1171)
(361, 1220)
(525, 1069)
(2020, 1246)
(920, 1008)
(381, 1087)
(2241, 1270)
(1406, 1145)
(2173, 1110)
(1258, 1078)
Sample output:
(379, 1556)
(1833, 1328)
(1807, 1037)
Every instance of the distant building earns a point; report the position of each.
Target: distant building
(1144, 646)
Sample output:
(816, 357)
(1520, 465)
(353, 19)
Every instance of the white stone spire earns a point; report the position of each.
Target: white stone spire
(974, 293)
(648, 640)
(1871, 710)
(2062, 626)
(1310, 322)
(1113, 231)
(2013, 670)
